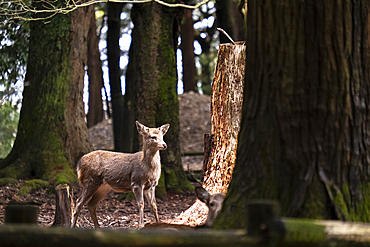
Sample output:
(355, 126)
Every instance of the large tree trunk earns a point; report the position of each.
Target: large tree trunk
(304, 139)
(151, 85)
(52, 133)
(94, 70)
(114, 53)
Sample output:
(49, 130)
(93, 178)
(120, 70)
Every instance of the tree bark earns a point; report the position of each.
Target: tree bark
(304, 139)
(52, 133)
(95, 73)
(151, 85)
(188, 56)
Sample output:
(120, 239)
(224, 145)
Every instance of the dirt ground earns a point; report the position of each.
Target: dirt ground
(114, 212)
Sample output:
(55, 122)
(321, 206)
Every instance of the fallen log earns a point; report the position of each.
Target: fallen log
(300, 232)
(23, 235)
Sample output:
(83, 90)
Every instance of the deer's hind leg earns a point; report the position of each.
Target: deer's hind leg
(150, 196)
(87, 192)
(96, 198)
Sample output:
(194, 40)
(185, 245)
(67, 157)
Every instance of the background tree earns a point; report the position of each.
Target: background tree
(230, 20)
(114, 53)
(52, 133)
(187, 48)
(206, 36)
(151, 85)
(304, 135)
(94, 70)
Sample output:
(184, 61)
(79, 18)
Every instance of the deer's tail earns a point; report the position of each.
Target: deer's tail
(79, 173)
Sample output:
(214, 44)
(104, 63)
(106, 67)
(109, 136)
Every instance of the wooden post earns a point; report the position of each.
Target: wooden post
(263, 222)
(21, 212)
(226, 109)
(64, 205)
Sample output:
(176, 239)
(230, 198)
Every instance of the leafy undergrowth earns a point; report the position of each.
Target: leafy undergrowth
(111, 212)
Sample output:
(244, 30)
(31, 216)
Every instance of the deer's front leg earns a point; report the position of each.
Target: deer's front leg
(138, 191)
(150, 196)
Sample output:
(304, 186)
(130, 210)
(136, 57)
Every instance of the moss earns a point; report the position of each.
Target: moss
(172, 181)
(32, 186)
(341, 205)
(10, 172)
(160, 190)
(8, 181)
(187, 185)
(304, 230)
(130, 196)
(361, 210)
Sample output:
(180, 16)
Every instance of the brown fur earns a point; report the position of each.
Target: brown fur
(101, 171)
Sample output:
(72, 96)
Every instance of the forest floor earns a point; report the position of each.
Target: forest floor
(115, 211)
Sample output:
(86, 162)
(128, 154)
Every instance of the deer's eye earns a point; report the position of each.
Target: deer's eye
(153, 137)
(211, 204)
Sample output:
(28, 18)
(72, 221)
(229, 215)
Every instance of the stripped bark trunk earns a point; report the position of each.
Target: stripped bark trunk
(226, 108)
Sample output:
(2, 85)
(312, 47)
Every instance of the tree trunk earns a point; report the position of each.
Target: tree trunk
(94, 70)
(114, 53)
(304, 139)
(187, 47)
(52, 133)
(151, 85)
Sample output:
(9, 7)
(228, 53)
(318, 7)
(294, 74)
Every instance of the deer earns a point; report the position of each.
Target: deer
(213, 203)
(102, 171)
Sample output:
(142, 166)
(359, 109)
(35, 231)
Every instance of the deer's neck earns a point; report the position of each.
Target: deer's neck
(151, 158)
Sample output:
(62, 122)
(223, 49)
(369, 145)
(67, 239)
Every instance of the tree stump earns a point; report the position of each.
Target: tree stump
(226, 108)
(64, 205)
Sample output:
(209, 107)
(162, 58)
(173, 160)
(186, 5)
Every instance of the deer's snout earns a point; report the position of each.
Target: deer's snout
(164, 146)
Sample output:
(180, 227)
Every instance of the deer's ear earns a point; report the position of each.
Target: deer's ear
(141, 128)
(202, 194)
(164, 128)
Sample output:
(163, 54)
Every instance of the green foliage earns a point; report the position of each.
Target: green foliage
(14, 38)
(9, 117)
(32, 186)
